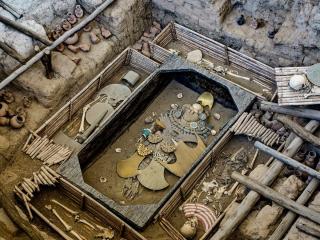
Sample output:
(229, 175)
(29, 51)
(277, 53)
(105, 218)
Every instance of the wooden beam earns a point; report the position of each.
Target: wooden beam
(26, 30)
(252, 197)
(293, 111)
(300, 131)
(278, 198)
(287, 160)
(60, 40)
(309, 228)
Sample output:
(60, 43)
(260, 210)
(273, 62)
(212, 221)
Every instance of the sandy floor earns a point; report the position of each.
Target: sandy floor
(105, 165)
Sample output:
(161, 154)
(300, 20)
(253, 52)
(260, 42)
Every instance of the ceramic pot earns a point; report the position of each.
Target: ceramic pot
(17, 121)
(4, 121)
(3, 109)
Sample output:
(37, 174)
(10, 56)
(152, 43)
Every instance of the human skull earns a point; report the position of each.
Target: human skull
(298, 82)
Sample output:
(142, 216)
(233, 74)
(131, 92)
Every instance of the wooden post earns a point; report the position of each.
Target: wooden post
(287, 160)
(227, 55)
(47, 63)
(252, 197)
(290, 217)
(61, 39)
(297, 112)
(278, 198)
(26, 30)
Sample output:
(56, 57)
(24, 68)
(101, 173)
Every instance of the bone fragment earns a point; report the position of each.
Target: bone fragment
(72, 212)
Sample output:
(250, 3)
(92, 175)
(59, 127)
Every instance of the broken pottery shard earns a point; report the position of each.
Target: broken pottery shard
(129, 167)
(105, 33)
(152, 177)
(194, 56)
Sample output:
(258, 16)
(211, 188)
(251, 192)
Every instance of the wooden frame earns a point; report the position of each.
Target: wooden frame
(86, 202)
(128, 57)
(186, 187)
(113, 127)
(263, 74)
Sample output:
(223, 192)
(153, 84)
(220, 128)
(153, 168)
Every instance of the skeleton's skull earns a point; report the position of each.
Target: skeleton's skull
(298, 82)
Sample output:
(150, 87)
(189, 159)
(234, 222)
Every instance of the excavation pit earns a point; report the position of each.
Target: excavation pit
(98, 159)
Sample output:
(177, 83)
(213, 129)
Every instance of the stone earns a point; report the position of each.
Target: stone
(194, 56)
(257, 226)
(7, 222)
(291, 187)
(63, 65)
(217, 116)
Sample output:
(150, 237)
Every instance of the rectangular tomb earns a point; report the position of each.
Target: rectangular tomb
(146, 148)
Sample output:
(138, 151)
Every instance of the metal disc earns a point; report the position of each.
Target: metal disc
(94, 111)
(115, 93)
(313, 74)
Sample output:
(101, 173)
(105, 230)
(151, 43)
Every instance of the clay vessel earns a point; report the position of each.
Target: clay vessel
(8, 97)
(105, 32)
(78, 12)
(66, 25)
(73, 48)
(71, 18)
(87, 28)
(72, 40)
(4, 121)
(84, 47)
(20, 111)
(60, 47)
(17, 121)
(94, 38)
(10, 113)
(27, 101)
(3, 109)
